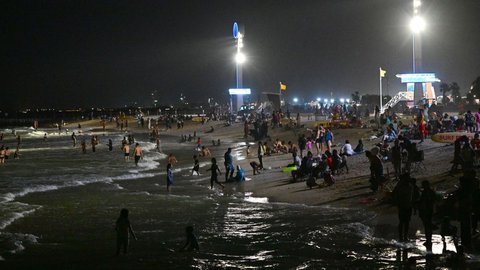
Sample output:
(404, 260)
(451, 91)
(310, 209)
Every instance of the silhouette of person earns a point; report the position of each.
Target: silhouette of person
(124, 229)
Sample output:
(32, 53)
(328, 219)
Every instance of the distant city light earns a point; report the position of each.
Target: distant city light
(417, 24)
(295, 100)
(240, 58)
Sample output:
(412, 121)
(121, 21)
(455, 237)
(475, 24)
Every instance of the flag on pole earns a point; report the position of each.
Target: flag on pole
(382, 73)
(283, 87)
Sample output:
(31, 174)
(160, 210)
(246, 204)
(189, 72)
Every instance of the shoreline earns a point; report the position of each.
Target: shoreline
(350, 191)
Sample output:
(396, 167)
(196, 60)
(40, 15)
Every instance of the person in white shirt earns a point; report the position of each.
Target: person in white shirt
(347, 149)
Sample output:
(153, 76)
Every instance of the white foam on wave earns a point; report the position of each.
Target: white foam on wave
(9, 218)
(15, 241)
(134, 176)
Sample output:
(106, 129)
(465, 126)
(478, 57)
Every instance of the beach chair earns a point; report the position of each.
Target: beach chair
(417, 161)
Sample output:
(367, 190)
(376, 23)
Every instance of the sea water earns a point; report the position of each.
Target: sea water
(235, 230)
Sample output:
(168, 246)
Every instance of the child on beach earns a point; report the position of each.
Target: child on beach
(214, 178)
(196, 165)
(124, 229)
(172, 159)
(191, 242)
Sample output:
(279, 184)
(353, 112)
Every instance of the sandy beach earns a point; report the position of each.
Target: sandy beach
(74, 232)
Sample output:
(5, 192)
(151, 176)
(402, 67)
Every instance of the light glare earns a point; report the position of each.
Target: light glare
(417, 24)
(240, 58)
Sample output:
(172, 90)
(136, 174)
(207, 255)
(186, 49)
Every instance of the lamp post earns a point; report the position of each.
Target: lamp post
(239, 60)
(417, 25)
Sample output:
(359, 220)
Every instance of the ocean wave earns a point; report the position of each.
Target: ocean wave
(16, 210)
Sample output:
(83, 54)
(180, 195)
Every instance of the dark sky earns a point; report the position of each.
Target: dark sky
(111, 53)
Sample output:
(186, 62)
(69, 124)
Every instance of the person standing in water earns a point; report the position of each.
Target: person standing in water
(110, 145)
(84, 146)
(137, 153)
(191, 243)
(45, 137)
(94, 143)
(74, 139)
(158, 144)
(228, 164)
(196, 165)
(124, 230)
(169, 177)
(260, 154)
(126, 151)
(214, 178)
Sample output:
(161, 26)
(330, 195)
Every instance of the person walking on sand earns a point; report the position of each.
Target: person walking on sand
(169, 177)
(124, 230)
(329, 139)
(214, 178)
(320, 139)
(137, 152)
(126, 151)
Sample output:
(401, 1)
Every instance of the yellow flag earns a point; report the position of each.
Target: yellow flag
(382, 72)
(283, 87)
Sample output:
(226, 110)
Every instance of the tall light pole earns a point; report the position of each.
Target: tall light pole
(417, 25)
(239, 60)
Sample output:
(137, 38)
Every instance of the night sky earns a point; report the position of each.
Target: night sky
(112, 53)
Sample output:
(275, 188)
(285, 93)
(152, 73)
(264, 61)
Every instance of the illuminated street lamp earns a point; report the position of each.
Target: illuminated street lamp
(325, 100)
(318, 99)
(295, 100)
(239, 60)
(417, 25)
(342, 100)
(332, 100)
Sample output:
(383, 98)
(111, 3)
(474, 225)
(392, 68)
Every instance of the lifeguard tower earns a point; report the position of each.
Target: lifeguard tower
(419, 87)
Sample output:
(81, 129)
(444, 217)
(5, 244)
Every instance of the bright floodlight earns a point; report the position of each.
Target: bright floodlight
(325, 100)
(417, 3)
(348, 100)
(332, 100)
(240, 58)
(295, 100)
(342, 100)
(318, 99)
(417, 24)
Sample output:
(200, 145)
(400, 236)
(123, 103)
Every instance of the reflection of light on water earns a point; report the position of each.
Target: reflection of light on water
(437, 244)
(239, 154)
(256, 199)
(261, 255)
(246, 221)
